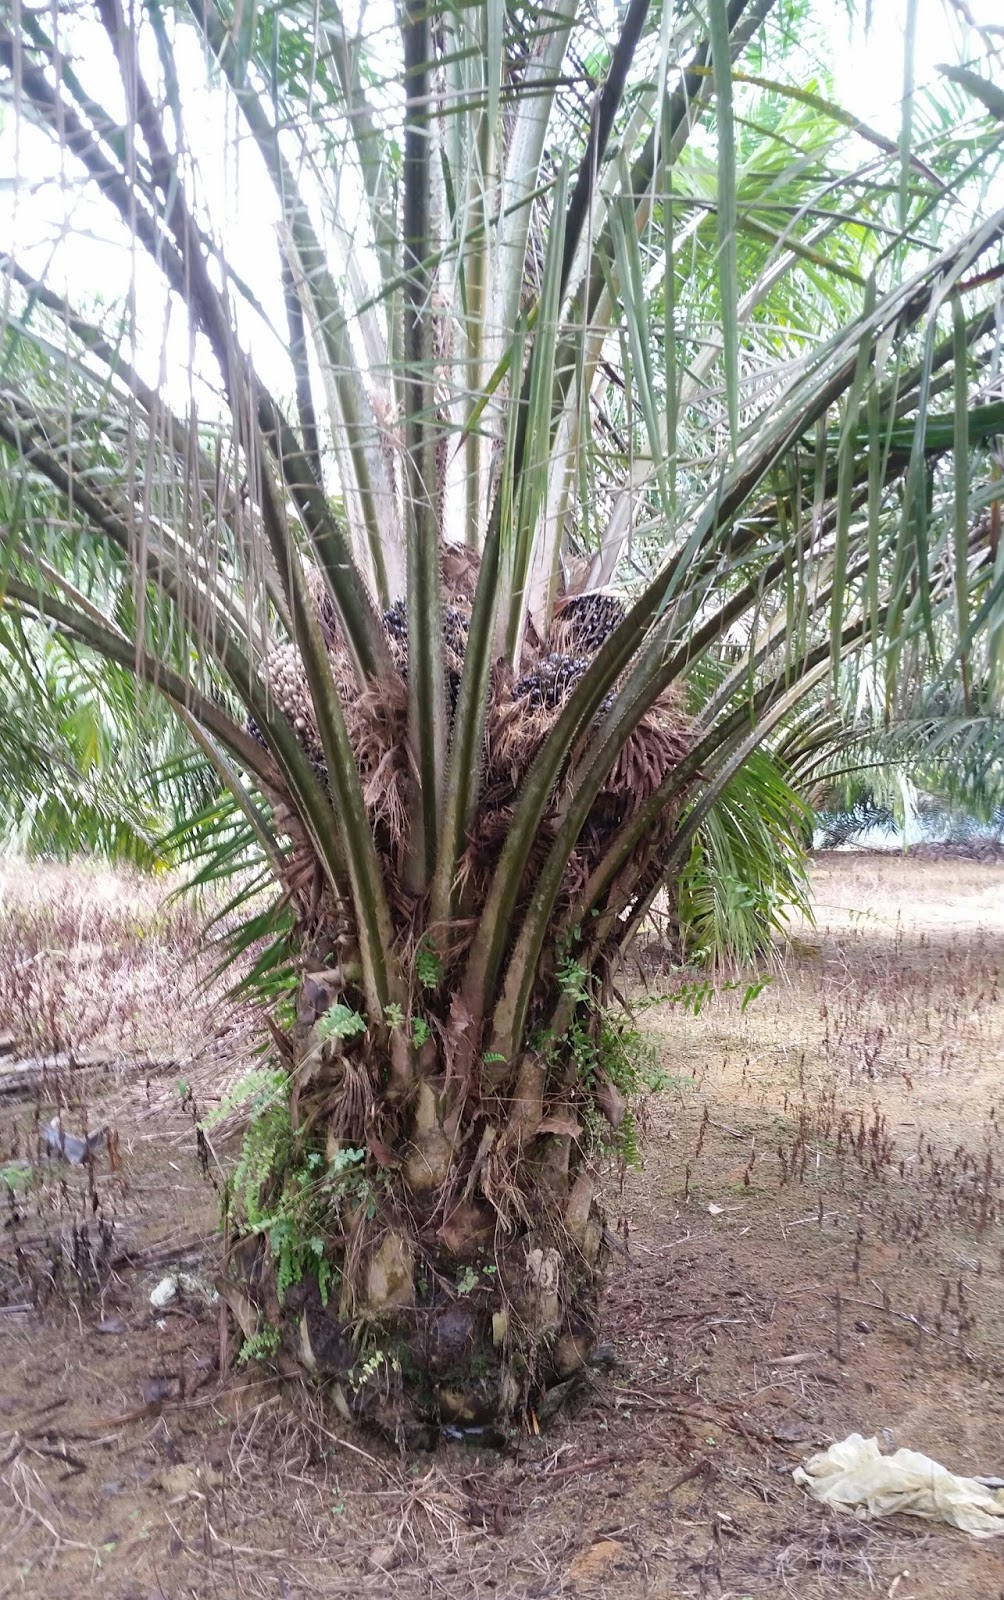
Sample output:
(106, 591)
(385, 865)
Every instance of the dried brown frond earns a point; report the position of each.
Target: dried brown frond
(375, 721)
(460, 565)
(514, 733)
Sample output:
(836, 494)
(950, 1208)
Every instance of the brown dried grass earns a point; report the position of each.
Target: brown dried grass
(89, 957)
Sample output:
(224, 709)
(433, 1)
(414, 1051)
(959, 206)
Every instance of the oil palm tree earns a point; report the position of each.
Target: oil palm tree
(567, 399)
(92, 762)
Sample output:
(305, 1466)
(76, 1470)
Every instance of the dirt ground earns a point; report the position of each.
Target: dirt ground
(814, 1247)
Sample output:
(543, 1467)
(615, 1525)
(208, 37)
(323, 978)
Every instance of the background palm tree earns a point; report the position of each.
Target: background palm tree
(560, 303)
(91, 762)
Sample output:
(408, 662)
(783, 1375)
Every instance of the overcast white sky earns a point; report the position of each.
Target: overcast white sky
(868, 71)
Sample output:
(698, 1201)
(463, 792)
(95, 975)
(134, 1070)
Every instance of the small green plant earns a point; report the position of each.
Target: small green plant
(340, 1022)
(293, 1196)
(754, 989)
(628, 1142)
(372, 1366)
(15, 1174)
(632, 1064)
(471, 1277)
(695, 994)
(630, 1060)
(393, 1015)
(313, 1195)
(265, 1147)
(573, 981)
(428, 967)
(261, 1346)
(420, 1032)
(604, 1045)
(261, 1087)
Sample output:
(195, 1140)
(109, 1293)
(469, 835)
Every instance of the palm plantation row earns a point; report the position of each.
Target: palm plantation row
(601, 420)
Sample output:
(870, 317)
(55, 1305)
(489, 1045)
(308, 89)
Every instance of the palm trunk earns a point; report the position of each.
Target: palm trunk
(435, 1262)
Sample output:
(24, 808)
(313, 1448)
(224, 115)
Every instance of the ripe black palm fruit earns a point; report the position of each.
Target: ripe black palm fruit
(456, 624)
(586, 621)
(395, 622)
(549, 680)
(395, 626)
(455, 627)
(319, 766)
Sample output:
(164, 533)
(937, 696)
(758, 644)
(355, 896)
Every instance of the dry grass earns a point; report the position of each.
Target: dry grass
(107, 998)
(91, 957)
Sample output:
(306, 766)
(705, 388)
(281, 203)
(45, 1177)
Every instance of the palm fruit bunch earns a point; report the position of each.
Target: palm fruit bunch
(395, 624)
(581, 626)
(324, 606)
(584, 622)
(549, 680)
(579, 629)
(456, 622)
(284, 677)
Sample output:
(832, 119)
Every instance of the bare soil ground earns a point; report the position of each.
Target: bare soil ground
(815, 1246)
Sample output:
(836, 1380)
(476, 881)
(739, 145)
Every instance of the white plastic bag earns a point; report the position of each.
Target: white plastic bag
(855, 1476)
